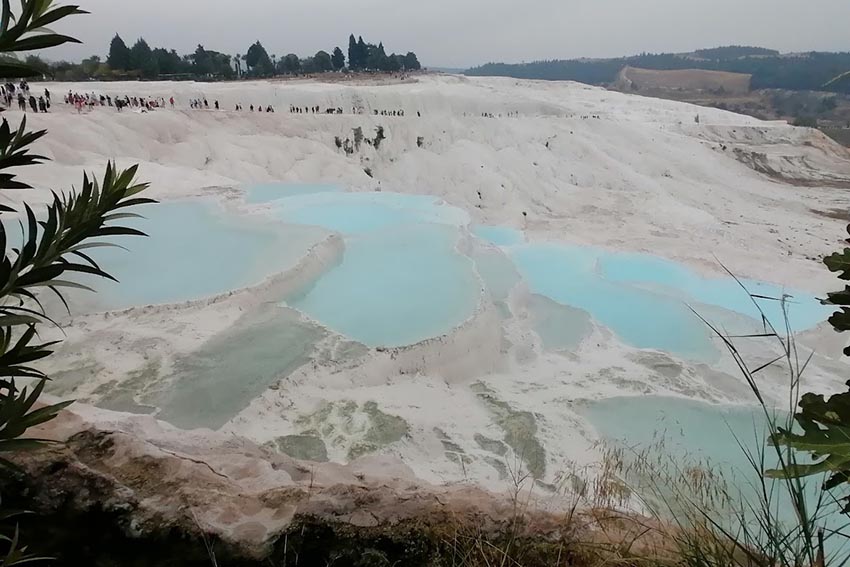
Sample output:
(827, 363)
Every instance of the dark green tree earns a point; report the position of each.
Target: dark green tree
(221, 64)
(119, 54)
(308, 65)
(258, 61)
(290, 64)
(143, 60)
(322, 62)
(362, 53)
(338, 59)
(169, 62)
(91, 66)
(202, 63)
(377, 57)
(394, 63)
(38, 64)
(411, 62)
(67, 71)
(353, 55)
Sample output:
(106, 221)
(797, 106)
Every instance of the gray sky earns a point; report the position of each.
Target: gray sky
(460, 33)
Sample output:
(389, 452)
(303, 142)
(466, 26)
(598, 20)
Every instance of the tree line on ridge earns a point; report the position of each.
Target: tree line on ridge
(142, 61)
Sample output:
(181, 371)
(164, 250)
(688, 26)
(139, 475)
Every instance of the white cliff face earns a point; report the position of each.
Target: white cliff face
(561, 161)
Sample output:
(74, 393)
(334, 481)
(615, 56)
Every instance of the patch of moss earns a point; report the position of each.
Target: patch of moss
(125, 402)
(448, 444)
(491, 445)
(520, 429)
(366, 429)
(65, 382)
(121, 396)
(500, 467)
(304, 447)
(384, 429)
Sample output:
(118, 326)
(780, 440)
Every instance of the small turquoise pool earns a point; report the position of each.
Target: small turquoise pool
(195, 249)
(647, 300)
(401, 279)
(640, 317)
(267, 192)
(672, 435)
(675, 280)
(498, 235)
(395, 287)
(357, 213)
(688, 428)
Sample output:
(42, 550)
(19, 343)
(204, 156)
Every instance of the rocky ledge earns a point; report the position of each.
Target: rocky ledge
(128, 490)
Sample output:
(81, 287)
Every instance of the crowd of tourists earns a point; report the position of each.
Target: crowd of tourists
(203, 104)
(88, 101)
(26, 99)
(10, 92)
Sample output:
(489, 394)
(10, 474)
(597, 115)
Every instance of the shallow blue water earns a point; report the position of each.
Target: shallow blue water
(804, 310)
(267, 192)
(402, 279)
(194, 251)
(498, 235)
(395, 287)
(645, 299)
(355, 213)
(640, 317)
(497, 271)
(674, 434)
(689, 428)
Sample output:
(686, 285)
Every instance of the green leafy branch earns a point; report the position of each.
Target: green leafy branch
(824, 423)
(825, 436)
(30, 32)
(14, 152)
(840, 262)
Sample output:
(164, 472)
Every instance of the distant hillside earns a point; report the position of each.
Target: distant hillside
(769, 70)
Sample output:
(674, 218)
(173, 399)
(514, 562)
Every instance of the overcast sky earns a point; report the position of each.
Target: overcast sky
(461, 33)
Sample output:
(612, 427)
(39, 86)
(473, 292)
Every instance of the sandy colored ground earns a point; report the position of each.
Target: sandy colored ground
(688, 79)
